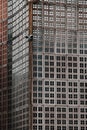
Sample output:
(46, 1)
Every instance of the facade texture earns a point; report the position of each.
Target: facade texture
(47, 77)
(3, 66)
(18, 48)
(60, 65)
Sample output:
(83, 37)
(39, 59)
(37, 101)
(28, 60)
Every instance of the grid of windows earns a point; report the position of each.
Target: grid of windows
(3, 66)
(59, 65)
(18, 49)
(62, 66)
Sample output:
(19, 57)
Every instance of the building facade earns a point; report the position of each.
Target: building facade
(18, 65)
(59, 65)
(3, 66)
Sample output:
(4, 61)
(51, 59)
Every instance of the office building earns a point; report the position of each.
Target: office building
(59, 65)
(3, 67)
(18, 48)
(47, 75)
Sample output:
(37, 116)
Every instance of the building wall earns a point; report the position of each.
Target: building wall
(18, 66)
(3, 66)
(59, 65)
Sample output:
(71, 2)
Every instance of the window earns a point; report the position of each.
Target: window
(63, 109)
(39, 108)
(70, 70)
(58, 109)
(52, 109)
(47, 115)
(58, 89)
(70, 109)
(40, 122)
(63, 121)
(46, 121)
(70, 121)
(58, 121)
(63, 101)
(58, 101)
(52, 101)
(63, 89)
(39, 127)
(51, 89)
(46, 127)
(46, 108)
(75, 116)
(69, 58)
(63, 95)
